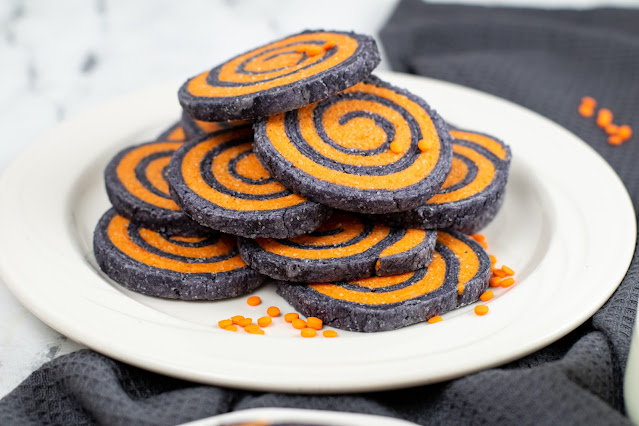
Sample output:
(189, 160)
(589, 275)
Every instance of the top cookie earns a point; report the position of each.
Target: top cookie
(373, 148)
(280, 76)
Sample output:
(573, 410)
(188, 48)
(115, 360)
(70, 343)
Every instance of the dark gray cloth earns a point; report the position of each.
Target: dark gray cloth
(544, 60)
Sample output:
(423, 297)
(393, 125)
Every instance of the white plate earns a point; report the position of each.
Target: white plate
(293, 415)
(567, 227)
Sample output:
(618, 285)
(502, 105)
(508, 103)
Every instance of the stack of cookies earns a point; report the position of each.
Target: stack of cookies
(293, 162)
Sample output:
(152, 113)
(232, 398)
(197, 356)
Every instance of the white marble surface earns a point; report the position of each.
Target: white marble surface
(59, 58)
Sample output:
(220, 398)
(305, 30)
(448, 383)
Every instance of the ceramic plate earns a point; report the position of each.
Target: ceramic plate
(563, 211)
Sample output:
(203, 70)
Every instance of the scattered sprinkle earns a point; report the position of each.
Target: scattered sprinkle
(257, 331)
(396, 147)
(589, 101)
(423, 145)
(291, 316)
(615, 140)
(308, 332)
(493, 259)
(507, 270)
(435, 319)
(330, 333)
(225, 323)
(237, 318)
(486, 296)
(328, 45)
(507, 282)
(264, 321)
(625, 132)
(273, 311)
(231, 328)
(612, 129)
(245, 322)
(478, 237)
(604, 117)
(299, 323)
(586, 110)
(481, 309)
(494, 282)
(251, 327)
(315, 323)
(253, 300)
(499, 273)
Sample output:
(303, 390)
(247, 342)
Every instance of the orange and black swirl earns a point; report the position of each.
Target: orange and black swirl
(137, 187)
(206, 266)
(218, 181)
(194, 129)
(457, 275)
(280, 76)
(175, 133)
(345, 247)
(473, 191)
(372, 148)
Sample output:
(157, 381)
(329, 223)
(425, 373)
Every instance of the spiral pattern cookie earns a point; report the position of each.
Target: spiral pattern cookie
(137, 187)
(280, 76)
(345, 247)
(173, 133)
(219, 183)
(194, 129)
(372, 148)
(206, 266)
(457, 275)
(473, 191)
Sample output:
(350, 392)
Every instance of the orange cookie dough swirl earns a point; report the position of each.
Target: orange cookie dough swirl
(338, 151)
(280, 76)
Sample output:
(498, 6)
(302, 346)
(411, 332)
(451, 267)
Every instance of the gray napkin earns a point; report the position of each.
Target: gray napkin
(544, 60)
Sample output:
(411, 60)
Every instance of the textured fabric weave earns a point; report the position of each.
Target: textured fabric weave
(544, 60)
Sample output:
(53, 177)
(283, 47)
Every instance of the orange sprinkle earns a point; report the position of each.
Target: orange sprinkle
(299, 324)
(237, 318)
(264, 321)
(494, 282)
(245, 322)
(612, 129)
(257, 331)
(493, 259)
(250, 327)
(507, 282)
(328, 45)
(231, 328)
(499, 273)
(481, 309)
(625, 132)
(395, 146)
(484, 244)
(604, 117)
(273, 311)
(253, 300)
(615, 140)
(587, 100)
(225, 323)
(330, 333)
(478, 237)
(586, 110)
(435, 319)
(486, 296)
(507, 270)
(315, 323)
(310, 50)
(291, 316)
(308, 332)
(424, 145)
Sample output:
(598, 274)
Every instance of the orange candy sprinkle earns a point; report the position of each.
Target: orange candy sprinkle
(253, 300)
(315, 323)
(250, 327)
(625, 132)
(245, 322)
(256, 331)
(328, 45)
(310, 50)
(478, 237)
(499, 273)
(589, 101)
(604, 117)
(231, 328)
(237, 318)
(291, 316)
(299, 324)
(435, 319)
(423, 145)
(481, 309)
(264, 321)
(396, 147)
(330, 333)
(225, 323)
(273, 311)
(586, 110)
(611, 129)
(615, 140)
(507, 282)
(494, 282)
(308, 332)
(486, 296)
(507, 270)
(493, 259)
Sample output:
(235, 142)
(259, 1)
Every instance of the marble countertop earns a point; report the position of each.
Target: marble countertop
(59, 58)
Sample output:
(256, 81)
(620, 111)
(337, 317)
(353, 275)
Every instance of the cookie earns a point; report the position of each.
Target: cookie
(206, 266)
(457, 275)
(218, 181)
(372, 148)
(173, 133)
(345, 247)
(280, 76)
(194, 129)
(473, 191)
(137, 187)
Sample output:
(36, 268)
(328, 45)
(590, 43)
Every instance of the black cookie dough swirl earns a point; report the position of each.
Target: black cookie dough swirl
(280, 76)
(372, 148)
(345, 247)
(220, 183)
